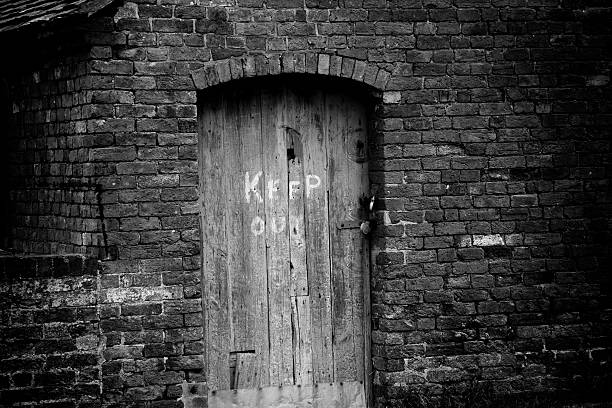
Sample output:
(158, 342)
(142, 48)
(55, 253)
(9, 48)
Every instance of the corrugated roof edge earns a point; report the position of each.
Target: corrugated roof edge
(85, 8)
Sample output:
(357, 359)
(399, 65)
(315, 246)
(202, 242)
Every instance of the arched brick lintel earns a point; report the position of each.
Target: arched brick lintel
(218, 72)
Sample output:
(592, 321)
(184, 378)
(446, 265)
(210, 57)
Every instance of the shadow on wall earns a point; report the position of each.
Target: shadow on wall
(5, 203)
(51, 202)
(49, 331)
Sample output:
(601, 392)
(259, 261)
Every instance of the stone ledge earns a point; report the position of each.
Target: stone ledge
(218, 72)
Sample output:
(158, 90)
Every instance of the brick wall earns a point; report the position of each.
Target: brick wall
(53, 201)
(490, 156)
(49, 332)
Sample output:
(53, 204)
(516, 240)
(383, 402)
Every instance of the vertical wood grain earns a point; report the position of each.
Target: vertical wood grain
(342, 206)
(277, 237)
(300, 301)
(317, 235)
(253, 247)
(238, 273)
(244, 372)
(214, 248)
(302, 340)
(358, 178)
(297, 233)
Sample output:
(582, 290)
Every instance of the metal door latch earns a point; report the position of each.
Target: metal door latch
(349, 224)
(365, 225)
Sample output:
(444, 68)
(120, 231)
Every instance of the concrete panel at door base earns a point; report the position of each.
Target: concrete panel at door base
(324, 395)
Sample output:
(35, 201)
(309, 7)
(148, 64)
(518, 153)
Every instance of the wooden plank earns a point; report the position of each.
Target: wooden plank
(253, 244)
(302, 344)
(244, 371)
(276, 199)
(357, 164)
(300, 302)
(349, 181)
(239, 275)
(342, 208)
(356, 246)
(297, 234)
(214, 248)
(359, 171)
(317, 233)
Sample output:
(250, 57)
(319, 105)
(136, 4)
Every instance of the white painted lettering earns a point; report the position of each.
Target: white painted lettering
(250, 186)
(278, 228)
(294, 225)
(294, 186)
(272, 187)
(257, 226)
(312, 182)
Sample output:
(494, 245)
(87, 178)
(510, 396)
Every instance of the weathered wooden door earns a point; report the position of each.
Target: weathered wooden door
(284, 179)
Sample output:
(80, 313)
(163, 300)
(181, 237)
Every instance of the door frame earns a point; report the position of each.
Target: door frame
(371, 97)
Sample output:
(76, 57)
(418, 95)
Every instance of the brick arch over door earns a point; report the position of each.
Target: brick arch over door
(222, 71)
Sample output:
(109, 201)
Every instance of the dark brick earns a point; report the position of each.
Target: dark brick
(172, 25)
(161, 350)
(142, 309)
(185, 363)
(488, 158)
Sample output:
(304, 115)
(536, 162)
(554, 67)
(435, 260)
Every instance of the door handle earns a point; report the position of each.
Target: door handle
(365, 227)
